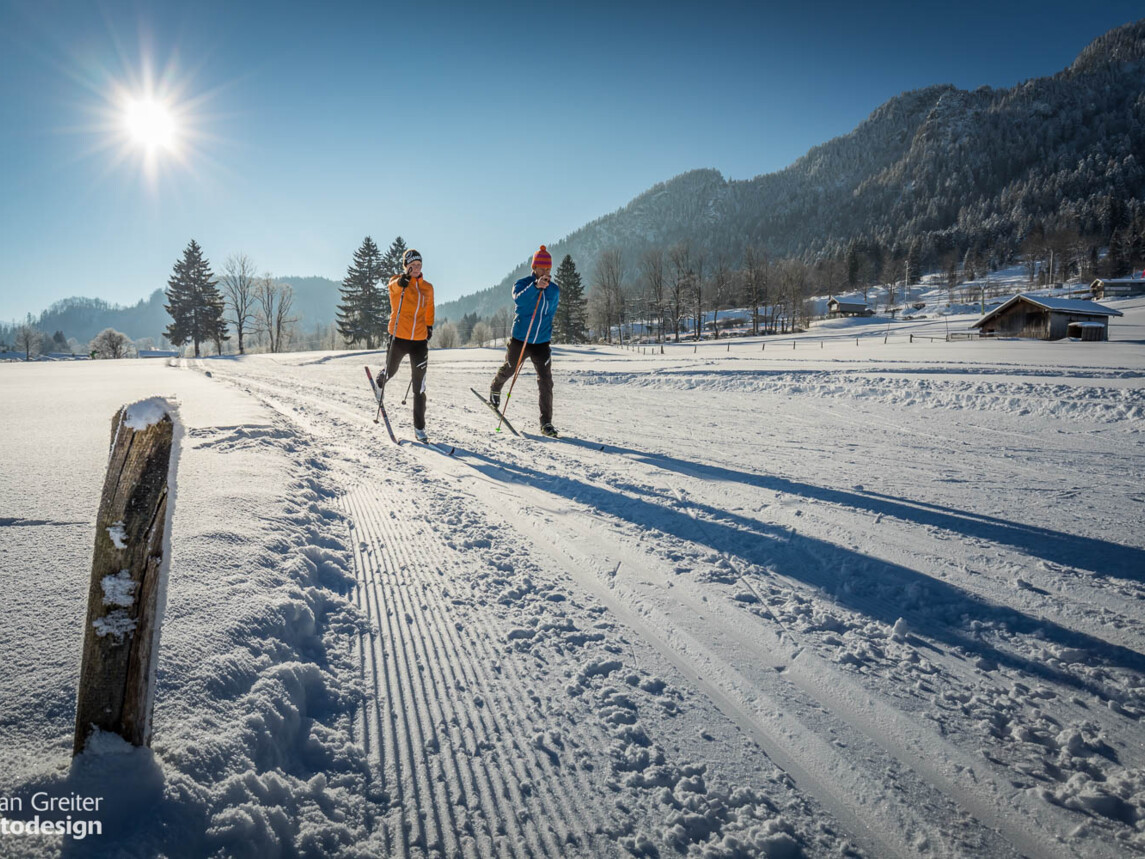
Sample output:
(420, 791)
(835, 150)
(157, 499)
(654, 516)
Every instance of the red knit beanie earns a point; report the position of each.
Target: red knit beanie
(542, 259)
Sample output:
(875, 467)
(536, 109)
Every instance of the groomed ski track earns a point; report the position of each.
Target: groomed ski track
(676, 643)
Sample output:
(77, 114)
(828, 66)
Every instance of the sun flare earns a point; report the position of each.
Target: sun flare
(150, 124)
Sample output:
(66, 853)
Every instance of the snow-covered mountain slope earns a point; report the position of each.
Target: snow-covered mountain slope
(828, 599)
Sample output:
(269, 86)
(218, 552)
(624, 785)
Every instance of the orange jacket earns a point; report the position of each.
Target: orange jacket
(416, 306)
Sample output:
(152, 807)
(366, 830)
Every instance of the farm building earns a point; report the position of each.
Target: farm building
(1041, 318)
(844, 307)
(1117, 287)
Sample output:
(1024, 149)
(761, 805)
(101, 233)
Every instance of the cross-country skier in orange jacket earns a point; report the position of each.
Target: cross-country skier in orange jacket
(411, 327)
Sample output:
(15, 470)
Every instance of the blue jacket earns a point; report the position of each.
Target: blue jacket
(525, 297)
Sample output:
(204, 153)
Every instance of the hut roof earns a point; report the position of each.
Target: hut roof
(849, 303)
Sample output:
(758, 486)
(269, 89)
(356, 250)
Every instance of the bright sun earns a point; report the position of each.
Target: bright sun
(150, 124)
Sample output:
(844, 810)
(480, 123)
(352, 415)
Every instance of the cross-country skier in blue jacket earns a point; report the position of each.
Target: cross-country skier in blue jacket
(536, 298)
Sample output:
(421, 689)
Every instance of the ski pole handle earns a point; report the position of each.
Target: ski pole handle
(389, 348)
(520, 359)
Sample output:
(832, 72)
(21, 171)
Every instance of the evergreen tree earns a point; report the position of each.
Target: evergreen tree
(1117, 259)
(970, 264)
(194, 302)
(363, 314)
(1135, 245)
(392, 261)
(851, 262)
(912, 272)
(465, 326)
(569, 325)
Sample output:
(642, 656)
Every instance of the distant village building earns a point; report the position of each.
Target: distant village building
(1041, 318)
(848, 307)
(1117, 287)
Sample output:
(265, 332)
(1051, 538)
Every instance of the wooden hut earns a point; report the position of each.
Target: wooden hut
(844, 307)
(1041, 318)
(1117, 287)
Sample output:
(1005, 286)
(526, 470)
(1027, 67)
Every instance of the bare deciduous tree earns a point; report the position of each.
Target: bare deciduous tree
(607, 290)
(501, 324)
(721, 286)
(697, 284)
(28, 341)
(793, 282)
(445, 336)
(756, 278)
(238, 286)
(680, 258)
(110, 343)
(273, 303)
(652, 273)
(482, 333)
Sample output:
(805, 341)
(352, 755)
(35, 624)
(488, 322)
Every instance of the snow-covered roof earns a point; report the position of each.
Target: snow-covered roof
(1078, 306)
(849, 302)
(1137, 280)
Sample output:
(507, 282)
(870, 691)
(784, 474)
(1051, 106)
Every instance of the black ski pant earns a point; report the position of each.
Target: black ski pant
(542, 358)
(418, 351)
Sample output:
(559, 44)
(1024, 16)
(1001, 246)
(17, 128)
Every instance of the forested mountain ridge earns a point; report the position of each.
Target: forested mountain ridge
(952, 170)
(82, 318)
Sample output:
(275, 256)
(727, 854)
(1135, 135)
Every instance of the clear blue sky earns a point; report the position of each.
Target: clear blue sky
(474, 131)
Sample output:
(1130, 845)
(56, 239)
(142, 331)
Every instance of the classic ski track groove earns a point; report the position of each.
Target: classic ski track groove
(403, 541)
(412, 633)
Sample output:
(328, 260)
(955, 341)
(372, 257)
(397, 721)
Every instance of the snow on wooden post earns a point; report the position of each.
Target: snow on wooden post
(128, 587)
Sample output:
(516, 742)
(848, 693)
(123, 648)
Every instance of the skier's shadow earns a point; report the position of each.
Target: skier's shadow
(880, 589)
(1100, 557)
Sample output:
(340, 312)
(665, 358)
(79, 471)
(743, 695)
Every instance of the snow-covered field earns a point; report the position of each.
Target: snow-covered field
(827, 598)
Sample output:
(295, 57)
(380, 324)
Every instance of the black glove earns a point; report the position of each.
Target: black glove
(403, 281)
(428, 333)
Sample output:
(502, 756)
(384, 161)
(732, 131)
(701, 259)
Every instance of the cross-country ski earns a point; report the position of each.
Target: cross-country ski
(503, 421)
(379, 398)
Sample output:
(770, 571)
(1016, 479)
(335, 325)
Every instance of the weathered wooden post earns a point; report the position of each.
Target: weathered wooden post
(128, 576)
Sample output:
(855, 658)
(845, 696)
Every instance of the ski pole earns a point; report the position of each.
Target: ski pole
(520, 359)
(389, 348)
(409, 387)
